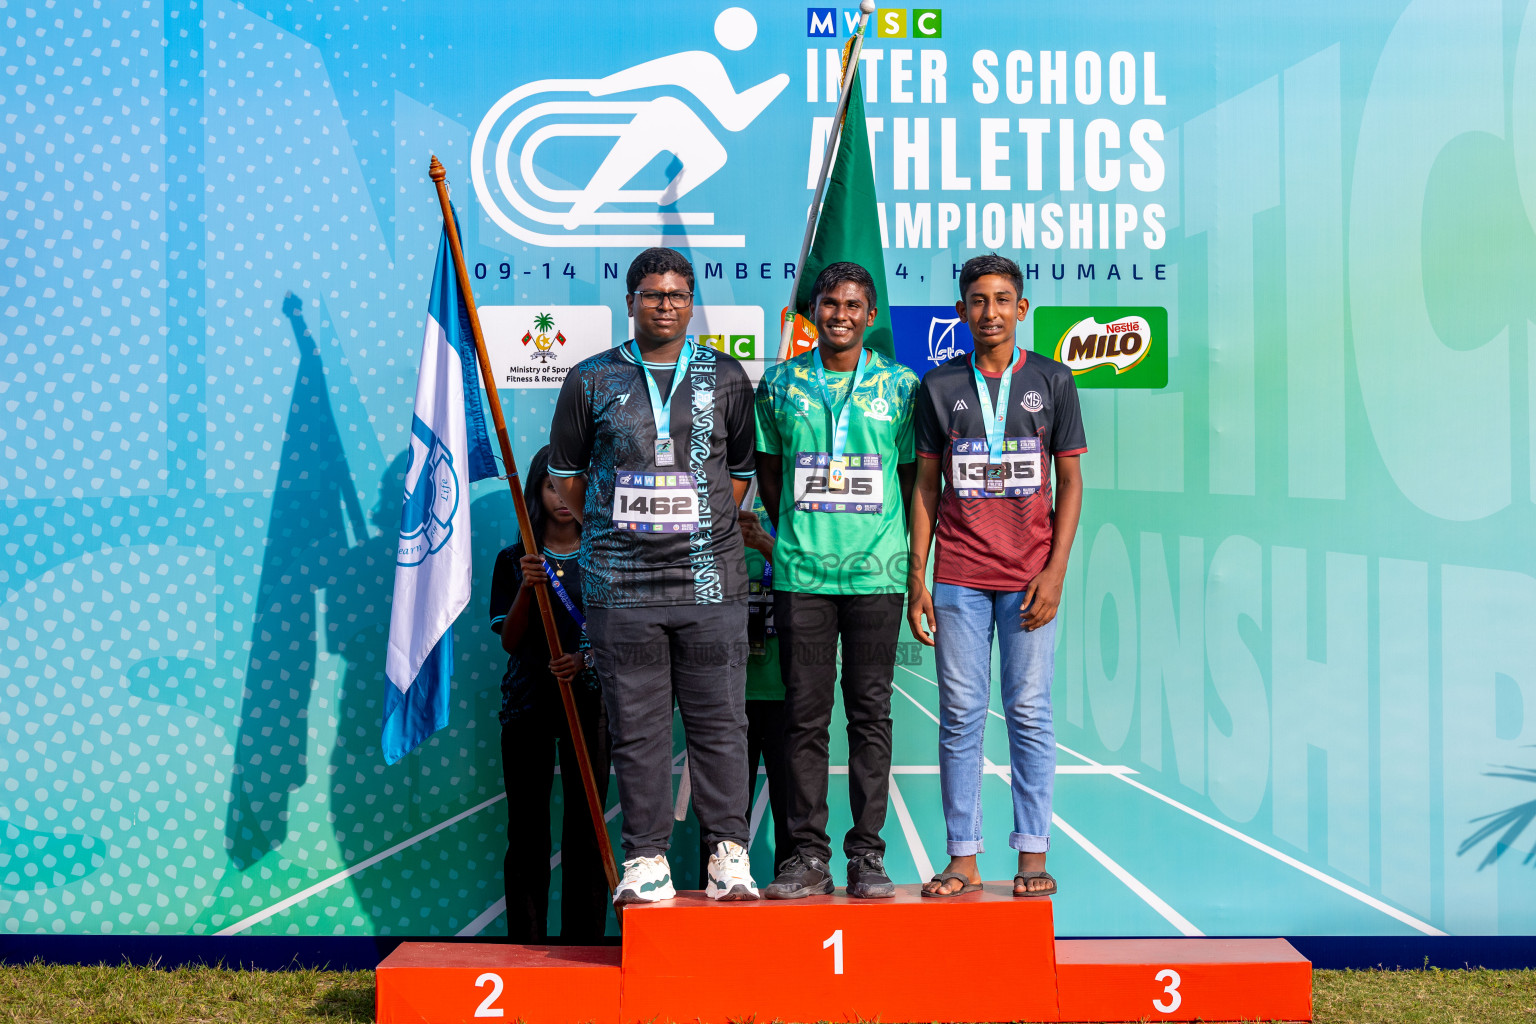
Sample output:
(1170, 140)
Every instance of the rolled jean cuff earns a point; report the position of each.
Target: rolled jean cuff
(645, 851)
(1029, 844)
(970, 848)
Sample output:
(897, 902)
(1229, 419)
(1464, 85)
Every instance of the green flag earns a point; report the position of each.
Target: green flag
(849, 228)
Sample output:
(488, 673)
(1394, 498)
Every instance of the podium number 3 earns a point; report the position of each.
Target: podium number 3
(485, 1009)
(1170, 989)
(835, 942)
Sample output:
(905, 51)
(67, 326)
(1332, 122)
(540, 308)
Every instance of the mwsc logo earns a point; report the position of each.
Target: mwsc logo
(886, 23)
(532, 115)
(1106, 346)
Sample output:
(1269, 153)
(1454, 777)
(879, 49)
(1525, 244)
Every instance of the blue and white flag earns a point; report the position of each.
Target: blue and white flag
(449, 449)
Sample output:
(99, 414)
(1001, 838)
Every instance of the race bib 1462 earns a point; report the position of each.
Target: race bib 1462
(655, 502)
(862, 488)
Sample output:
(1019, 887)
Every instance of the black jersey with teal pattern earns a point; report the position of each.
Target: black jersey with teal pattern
(603, 428)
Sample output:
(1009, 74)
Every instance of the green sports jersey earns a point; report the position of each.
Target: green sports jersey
(848, 537)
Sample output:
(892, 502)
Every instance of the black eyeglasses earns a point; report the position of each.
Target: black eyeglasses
(674, 300)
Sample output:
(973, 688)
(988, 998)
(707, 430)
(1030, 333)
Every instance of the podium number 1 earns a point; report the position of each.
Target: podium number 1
(835, 941)
(1170, 989)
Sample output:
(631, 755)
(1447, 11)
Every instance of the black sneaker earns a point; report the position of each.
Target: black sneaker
(800, 877)
(867, 879)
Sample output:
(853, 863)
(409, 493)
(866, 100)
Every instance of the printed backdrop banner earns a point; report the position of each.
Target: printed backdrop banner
(1293, 245)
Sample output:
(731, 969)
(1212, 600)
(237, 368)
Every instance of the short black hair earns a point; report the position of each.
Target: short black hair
(991, 263)
(834, 274)
(657, 260)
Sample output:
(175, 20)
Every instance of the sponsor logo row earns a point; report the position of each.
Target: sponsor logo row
(1105, 346)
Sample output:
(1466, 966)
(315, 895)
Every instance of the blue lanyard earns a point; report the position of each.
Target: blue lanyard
(995, 419)
(565, 598)
(662, 411)
(840, 431)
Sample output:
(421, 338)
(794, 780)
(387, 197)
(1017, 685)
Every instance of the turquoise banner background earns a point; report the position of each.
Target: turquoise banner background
(1296, 687)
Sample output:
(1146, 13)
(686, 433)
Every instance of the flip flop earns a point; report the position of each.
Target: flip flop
(1025, 876)
(966, 885)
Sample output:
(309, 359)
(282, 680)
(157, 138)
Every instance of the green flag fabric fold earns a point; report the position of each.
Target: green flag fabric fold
(849, 228)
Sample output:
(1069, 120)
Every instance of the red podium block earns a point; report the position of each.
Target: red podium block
(831, 958)
(446, 982)
(1182, 979)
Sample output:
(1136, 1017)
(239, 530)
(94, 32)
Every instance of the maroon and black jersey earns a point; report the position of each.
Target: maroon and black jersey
(984, 540)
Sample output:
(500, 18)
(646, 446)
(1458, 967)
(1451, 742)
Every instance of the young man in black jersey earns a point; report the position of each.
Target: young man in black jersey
(657, 483)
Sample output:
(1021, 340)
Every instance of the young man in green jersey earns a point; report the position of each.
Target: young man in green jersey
(835, 466)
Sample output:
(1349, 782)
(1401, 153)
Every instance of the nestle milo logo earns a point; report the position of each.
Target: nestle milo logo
(1106, 346)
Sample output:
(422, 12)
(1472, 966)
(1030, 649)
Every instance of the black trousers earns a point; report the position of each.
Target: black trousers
(697, 654)
(765, 742)
(809, 627)
(528, 745)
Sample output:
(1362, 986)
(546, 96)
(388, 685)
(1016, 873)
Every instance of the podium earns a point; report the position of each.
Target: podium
(985, 956)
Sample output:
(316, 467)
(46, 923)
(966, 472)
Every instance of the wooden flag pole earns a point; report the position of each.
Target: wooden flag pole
(851, 65)
(520, 506)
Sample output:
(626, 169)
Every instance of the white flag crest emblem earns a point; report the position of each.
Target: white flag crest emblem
(449, 447)
(431, 497)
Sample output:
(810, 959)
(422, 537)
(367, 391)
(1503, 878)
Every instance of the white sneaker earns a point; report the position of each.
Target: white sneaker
(730, 874)
(646, 880)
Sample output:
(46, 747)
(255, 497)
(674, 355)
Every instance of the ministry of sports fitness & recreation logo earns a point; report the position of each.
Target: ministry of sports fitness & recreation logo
(543, 212)
(543, 335)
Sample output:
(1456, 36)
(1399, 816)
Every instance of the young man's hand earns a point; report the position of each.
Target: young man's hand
(754, 536)
(919, 604)
(1041, 598)
(533, 570)
(565, 667)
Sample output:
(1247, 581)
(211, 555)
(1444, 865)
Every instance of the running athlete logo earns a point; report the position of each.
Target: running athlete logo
(431, 497)
(642, 130)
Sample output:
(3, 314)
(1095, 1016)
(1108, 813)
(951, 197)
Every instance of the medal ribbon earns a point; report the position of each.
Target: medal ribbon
(565, 598)
(661, 411)
(840, 430)
(995, 419)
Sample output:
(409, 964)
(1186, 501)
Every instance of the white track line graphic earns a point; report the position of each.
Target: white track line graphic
(909, 829)
(1307, 869)
(1149, 897)
(326, 883)
(1132, 883)
(494, 911)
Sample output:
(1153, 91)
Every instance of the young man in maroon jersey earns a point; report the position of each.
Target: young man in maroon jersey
(986, 424)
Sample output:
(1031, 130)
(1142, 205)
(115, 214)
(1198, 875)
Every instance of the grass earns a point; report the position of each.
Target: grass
(36, 993)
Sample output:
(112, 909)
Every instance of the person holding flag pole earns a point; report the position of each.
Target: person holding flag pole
(449, 450)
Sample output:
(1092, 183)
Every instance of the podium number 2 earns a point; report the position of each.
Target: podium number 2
(835, 941)
(1170, 989)
(485, 1009)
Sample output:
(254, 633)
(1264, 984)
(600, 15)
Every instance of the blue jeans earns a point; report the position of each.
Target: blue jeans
(965, 619)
